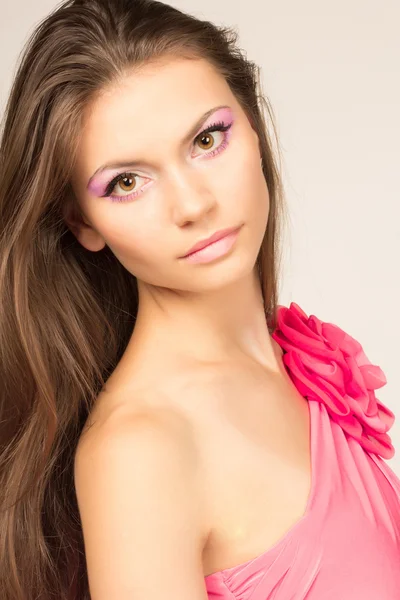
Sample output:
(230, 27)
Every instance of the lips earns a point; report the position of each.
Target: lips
(213, 238)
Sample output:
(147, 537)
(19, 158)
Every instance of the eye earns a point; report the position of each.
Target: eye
(127, 184)
(207, 139)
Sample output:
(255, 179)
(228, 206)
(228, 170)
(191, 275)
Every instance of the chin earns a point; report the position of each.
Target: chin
(221, 273)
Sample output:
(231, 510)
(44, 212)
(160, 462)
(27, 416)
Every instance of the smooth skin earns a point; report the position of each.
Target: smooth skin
(196, 455)
(141, 501)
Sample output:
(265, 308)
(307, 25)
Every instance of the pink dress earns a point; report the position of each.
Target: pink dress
(347, 544)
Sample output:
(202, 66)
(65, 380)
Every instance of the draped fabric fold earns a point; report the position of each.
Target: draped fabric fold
(347, 543)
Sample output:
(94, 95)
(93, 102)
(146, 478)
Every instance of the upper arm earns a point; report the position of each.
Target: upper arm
(141, 512)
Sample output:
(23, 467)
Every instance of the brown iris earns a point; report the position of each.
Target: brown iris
(123, 185)
(209, 137)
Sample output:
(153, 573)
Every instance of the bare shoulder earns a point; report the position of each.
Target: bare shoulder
(138, 482)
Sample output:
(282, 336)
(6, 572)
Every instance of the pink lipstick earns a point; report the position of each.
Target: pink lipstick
(213, 247)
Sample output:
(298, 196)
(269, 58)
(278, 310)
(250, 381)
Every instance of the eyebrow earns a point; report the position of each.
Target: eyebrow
(132, 163)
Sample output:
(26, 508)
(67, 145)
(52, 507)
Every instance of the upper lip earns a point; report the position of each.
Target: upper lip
(213, 238)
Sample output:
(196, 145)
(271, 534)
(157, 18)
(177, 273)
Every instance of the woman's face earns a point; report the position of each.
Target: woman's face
(150, 185)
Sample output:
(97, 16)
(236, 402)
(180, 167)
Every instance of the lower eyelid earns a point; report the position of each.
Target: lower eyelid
(219, 149)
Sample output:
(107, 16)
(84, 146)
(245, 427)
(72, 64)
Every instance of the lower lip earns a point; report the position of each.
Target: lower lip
(214, 250)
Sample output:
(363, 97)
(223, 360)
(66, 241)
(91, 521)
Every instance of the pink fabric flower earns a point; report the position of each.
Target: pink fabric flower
(328, 365)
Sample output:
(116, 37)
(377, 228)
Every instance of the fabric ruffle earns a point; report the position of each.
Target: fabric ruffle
(328, 365)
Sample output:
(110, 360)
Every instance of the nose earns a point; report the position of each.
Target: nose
(191, 197)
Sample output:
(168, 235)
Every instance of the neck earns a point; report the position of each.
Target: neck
(218, 326)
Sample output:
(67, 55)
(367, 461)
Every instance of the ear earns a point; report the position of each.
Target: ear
(86, 235)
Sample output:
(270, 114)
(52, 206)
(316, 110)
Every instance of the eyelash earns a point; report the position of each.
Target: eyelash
(216, 127)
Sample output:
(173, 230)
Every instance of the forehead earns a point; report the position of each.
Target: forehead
(174, 89)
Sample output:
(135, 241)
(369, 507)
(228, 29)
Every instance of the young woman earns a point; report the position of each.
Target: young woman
(168, 430)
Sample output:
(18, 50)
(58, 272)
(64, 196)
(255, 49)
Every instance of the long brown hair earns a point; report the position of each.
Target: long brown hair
(66, 314)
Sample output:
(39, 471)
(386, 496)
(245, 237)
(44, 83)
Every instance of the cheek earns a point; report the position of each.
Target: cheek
(243, 167)
(250, 188)
(135, 240)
